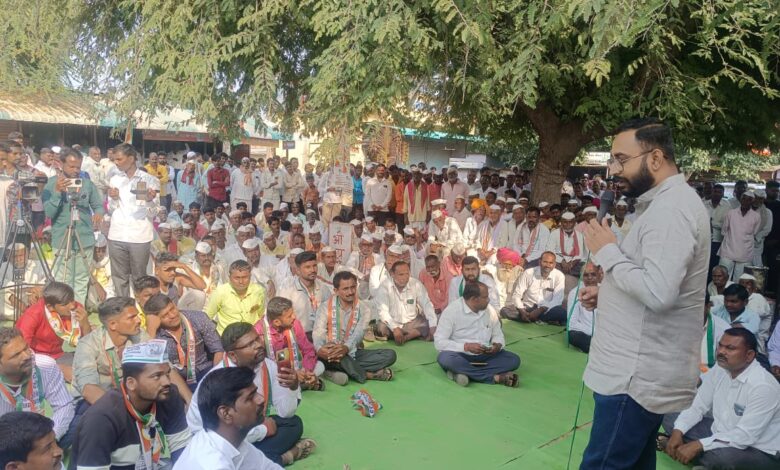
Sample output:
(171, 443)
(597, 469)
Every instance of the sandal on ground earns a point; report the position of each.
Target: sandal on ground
(304, 448)
(509, 379)
(319, 386)
(384, 375)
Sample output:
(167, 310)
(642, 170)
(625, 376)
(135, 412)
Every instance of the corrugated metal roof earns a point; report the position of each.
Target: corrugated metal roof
(80, 110)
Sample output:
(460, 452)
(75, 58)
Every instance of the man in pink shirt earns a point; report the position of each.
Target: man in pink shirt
(453, 188)
(739, 229)
(436, 282)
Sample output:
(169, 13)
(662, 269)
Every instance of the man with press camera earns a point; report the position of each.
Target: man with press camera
(63, 193)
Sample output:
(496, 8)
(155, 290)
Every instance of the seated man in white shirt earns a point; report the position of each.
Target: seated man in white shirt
(471, 273)
(279, 435)
(405, 310)
(568, 246)
(744, 402)
(538, 295)
(471, 343)
(581, 321)
(758, 304)
(230, 405)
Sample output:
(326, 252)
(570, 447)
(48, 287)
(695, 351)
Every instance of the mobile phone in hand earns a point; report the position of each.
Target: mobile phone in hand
(283, 359)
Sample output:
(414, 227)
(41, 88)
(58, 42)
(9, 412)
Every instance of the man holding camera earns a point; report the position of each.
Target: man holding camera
(65, 191)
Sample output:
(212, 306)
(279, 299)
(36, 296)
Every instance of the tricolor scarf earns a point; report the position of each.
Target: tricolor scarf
(70, 336)
(152, 443)
(335, 332)
(186, 349)
(423, 194)
(575, 251)
(290, 341)
(33, 395)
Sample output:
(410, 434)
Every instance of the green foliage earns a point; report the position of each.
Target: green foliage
(729, 166)
(566, 71)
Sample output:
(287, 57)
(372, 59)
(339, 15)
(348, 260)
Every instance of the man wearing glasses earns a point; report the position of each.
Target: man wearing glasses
(644, 354)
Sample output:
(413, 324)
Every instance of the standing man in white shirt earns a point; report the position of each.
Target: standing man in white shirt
(538, 294)
(717, 208)
(242, 184)
(333, 185)
(293, 183)
(644, 356)
(91, 166)
(744, 402)
(740, 227)
(378, 192)
(271, 184)
(132, 212)
(405, 310)
(765, 227)
(230, 405)
(471, 343)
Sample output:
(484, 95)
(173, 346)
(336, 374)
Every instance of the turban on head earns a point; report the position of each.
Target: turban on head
(477, 203)
(506, 255)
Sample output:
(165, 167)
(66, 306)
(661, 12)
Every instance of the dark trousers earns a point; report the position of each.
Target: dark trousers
(726, 458)
(365, 360)
(556, 315)
(288, 432)
(37, 219)
(622, 436)
(419, 324)
(462, 363)
(212, 203)
(399, 222)
(380, 217)
(66, 440)
(128, 262)
(166, 202)
(580, 340)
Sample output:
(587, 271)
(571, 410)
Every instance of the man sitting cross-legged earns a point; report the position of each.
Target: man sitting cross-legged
(471, 343)
(734, 421)
(405, 310)
(338, 328)
(231, 405)
(279, 435)
(283, 332)
(538, 294)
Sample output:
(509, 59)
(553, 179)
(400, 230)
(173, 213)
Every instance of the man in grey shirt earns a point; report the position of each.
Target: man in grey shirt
(644, 356)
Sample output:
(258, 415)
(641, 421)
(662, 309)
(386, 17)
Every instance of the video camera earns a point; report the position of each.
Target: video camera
(29, 187)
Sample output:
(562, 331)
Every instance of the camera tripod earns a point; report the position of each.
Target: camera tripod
(21, 230)
(67, 254)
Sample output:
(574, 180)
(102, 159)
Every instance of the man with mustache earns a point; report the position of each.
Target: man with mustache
(743, 400)
(27, 379)
(538, 294)
(139, 424)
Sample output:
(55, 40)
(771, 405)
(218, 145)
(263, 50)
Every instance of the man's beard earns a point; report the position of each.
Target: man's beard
(638, 185)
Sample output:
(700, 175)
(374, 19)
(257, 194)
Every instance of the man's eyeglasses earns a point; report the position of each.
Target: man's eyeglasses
(615, 165)
(255, 342)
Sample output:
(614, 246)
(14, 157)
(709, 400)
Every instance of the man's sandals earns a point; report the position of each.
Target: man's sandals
(383, 375)
(302, 449)
(509, 379)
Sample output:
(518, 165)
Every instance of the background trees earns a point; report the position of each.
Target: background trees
(563, 72)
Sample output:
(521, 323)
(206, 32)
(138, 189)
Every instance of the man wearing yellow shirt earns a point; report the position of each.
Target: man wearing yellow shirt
(160, 172)
(240, 300)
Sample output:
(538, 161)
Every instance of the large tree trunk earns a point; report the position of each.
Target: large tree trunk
(552, 166)
(559, 143)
